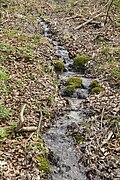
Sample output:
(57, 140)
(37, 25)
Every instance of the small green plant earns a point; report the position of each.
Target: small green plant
(3, 75)
(59, 66)
(79, 138)
(3, 133)
(115, 73)
(80, 61)
(4, 112)
(106, 50)
(42, 15)
(49, 100)
(13, 124)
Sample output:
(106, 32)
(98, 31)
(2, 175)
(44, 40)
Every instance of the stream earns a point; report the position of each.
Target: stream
(66, 156)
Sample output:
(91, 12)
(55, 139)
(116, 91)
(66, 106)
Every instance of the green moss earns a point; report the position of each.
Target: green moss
(97, 90)
(80, 61)
(69, 90)
(43, 163)
(75, 82)
(38, 147)
(96, 87)
(94, 84)
(59, 66)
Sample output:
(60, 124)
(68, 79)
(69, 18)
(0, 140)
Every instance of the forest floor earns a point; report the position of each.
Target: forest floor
(27, 77)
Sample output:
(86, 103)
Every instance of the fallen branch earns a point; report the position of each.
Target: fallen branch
(88, 21)
(21, 120)
(101, 120)
(39, 125)
(27, 129)
(23, 129)
(108, 11)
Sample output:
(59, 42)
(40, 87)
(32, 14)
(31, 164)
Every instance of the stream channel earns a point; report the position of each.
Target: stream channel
(66, 165)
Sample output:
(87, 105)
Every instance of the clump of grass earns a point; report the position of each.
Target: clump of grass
(116, 74)
(4, 112)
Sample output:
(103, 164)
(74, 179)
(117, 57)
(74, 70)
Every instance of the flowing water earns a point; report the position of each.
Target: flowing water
(66, 157)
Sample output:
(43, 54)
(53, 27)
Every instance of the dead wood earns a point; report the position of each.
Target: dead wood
(94, 16)
(39, 124)
(21, 120)
(23, 129)
(107, 14)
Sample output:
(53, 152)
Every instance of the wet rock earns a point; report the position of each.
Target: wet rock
(82, 93)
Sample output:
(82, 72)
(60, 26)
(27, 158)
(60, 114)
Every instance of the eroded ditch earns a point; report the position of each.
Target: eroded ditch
(65, 165)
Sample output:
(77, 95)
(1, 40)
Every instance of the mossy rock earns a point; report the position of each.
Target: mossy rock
(59, 66)
(74, 82)
(97, 90)
(69, 90)
(80, 61)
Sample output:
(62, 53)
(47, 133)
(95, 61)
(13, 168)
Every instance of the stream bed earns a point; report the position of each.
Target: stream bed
(66, 156)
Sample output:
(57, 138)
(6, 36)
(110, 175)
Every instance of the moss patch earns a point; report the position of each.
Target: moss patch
(59, 66)
(43, 163)
(97, 90)
(72, 83)
(75, 82)
(80, 61)
(96, 87)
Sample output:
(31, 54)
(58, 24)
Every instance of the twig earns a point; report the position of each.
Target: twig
(88, 21)
(23, 129)
(21, 120)
(102, 115)
(27, 129)
(108, 11)
(39, 125)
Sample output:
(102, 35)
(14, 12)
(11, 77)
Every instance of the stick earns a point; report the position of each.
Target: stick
(102, 114)
(23, 129)
(108, 11)
(20, 123)
(87, 22)
(81, 25)
(39, 125)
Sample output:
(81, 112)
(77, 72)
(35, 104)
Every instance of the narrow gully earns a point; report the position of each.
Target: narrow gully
(56, 138)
